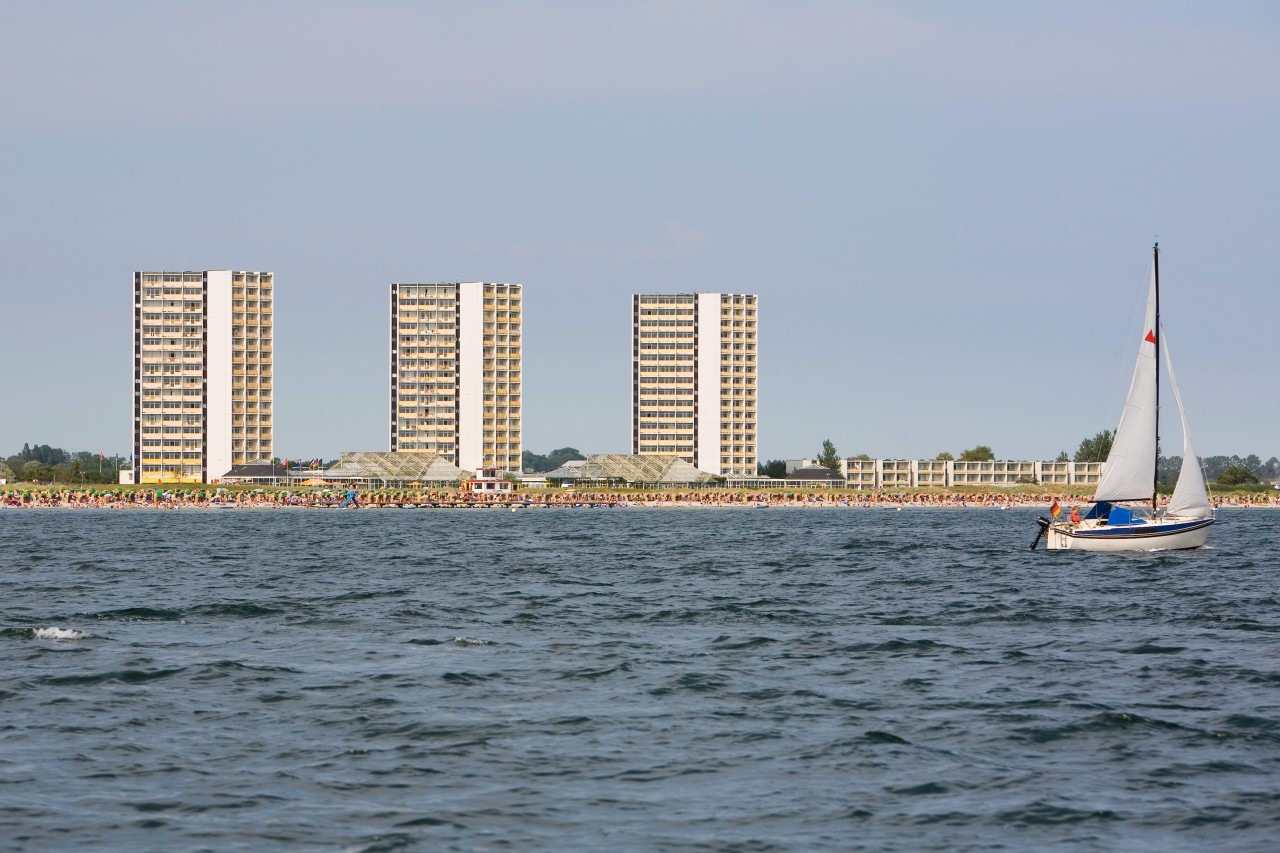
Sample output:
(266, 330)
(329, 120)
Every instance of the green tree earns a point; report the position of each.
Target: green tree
(829, 458)
(776, 468)
(15, 463)
(1167, 470)
(31, 470)
(1096, 449)
(44, 454)
(981, 453)
(1236, 475)
(561, 455)
(1062, 457)
(536, 463)
(6, 473)
(945, 456)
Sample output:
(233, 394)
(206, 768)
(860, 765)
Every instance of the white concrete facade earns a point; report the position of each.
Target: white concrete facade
(707, 376)
(218, 373)
(470, 376)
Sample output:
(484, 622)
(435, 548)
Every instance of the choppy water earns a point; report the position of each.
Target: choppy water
(631, 680)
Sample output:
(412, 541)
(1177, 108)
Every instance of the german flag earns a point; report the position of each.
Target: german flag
(1055, 509)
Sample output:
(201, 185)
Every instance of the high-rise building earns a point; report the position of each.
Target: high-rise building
(693, 379)
(455, 372)
(201, 373)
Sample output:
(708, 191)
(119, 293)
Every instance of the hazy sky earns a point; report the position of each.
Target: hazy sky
(946, 209)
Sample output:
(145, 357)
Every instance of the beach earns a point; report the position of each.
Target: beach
(19, 497)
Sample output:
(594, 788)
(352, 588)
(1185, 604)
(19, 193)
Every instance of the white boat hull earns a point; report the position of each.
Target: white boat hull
(1168, 535)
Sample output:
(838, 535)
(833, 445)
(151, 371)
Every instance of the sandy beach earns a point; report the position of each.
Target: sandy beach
(18, 497)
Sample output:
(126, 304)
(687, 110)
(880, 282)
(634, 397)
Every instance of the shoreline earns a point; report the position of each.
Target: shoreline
(151, 498)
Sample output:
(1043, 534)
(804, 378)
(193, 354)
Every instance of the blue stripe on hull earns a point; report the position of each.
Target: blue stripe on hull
(1145, 531)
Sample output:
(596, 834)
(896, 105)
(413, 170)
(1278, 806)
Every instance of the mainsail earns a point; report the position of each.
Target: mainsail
(1130, 472)
(1190, 497)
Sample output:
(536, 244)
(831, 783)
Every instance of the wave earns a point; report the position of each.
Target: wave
(123, 676)
(136, 614)
(55, 633)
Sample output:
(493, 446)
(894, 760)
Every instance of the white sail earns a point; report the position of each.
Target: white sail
(1130, 472)
(1191, 496)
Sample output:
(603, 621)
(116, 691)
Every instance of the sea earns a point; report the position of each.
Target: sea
(606, 679)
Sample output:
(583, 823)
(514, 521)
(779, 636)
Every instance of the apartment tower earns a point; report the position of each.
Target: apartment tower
(201, 373)
(455, 372)
(693, 379)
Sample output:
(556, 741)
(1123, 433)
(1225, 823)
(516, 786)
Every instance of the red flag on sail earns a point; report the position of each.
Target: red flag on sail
(1151, 337)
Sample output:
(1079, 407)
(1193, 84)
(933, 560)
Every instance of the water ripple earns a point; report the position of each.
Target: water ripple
(633, 680)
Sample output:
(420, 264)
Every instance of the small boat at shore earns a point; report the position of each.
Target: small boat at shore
(1125, 514)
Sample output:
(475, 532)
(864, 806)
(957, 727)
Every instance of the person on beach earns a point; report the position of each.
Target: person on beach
(351, 500)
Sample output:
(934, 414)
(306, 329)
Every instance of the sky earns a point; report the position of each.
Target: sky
(946, 209)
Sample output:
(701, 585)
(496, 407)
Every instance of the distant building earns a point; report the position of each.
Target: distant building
(643, 469)
(456, 372)
(815, 475)
(693, 379)
(383, 470)
(202, 373)
(258, 474)
(489, 481)
(945, 473)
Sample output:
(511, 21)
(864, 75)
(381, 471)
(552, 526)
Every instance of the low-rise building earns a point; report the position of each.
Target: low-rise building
(631, 469)
(948, 473)
(395, 469)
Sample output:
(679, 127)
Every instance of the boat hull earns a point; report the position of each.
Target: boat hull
(1164, 536)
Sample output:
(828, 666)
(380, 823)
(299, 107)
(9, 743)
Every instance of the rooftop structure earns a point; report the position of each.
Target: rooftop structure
(639, 469)
(259, 472)
(396, 469)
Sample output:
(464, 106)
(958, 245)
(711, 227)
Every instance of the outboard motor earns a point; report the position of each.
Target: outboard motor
(1044, 528)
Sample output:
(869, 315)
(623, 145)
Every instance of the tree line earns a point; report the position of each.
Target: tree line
(536, 463)
(45, 464)
(1226, 471)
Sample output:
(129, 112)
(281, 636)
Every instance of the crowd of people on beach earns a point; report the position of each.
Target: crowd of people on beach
(215, 498)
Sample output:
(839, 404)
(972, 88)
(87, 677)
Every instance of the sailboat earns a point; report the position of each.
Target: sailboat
(1129, 475)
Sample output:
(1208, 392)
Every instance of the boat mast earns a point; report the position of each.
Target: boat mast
(1155, 479)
